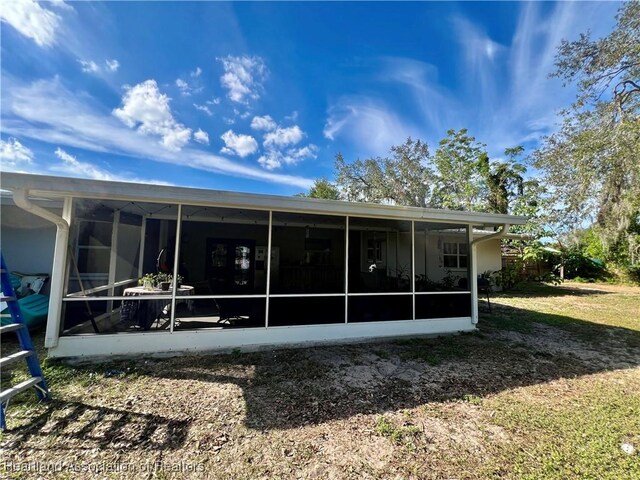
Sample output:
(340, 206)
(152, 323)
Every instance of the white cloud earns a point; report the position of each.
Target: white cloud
(31, 20)
(278, 143)
(203, 108)
(263, 123)
(13, 154)
(112, 65)
(310, 151)
(73, 167)
(243, 77)
(46, 111)
(238, 144)
(147, 110)
(197, 72)
(183, 86)
(89, 66)
(214, 101)
(273, 159)
(282, 137)
(201, 137)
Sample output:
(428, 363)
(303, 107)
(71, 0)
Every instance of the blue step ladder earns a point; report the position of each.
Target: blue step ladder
(26, 353)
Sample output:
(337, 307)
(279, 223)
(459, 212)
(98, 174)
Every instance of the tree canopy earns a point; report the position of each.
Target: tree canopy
(404, 178)
(592, 164)
(322, 188)
(458, 176)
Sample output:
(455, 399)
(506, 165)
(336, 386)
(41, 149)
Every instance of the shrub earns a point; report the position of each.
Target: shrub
(577, 264)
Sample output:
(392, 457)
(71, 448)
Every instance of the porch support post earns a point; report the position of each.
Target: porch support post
(413, 267)
(269, 258)
(346, 269)
(176, 268)
(56, 291)
(473, 273)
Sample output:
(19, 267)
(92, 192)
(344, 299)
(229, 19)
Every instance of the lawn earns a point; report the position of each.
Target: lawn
(549, 387)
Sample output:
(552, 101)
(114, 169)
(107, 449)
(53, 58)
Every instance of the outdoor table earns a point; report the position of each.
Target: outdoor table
(144, 312)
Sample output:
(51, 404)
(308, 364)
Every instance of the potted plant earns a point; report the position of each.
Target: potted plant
(164, 280)
(147, 281)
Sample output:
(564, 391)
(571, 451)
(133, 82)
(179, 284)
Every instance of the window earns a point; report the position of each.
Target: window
(454, 255)
(374, 251)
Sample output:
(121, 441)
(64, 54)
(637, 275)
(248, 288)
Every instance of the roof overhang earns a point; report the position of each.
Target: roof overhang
(60, 187)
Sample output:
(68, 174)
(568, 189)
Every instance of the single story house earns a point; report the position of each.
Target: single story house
(255, 270)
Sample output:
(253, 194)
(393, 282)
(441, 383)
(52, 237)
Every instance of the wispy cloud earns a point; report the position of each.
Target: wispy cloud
(504, 95)
(203, 108)
(370, 125)
(112, 65)
(14, 154)
(243, 77)
(435, 103)
(147, 110)
(72, 167)
(480, 66)
(238, 144)
(32, 20)
(48, 112)
(89, 66)
(183, 86)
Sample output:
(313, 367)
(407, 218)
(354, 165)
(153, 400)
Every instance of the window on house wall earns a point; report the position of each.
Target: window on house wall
(455, 255)
(374, 250)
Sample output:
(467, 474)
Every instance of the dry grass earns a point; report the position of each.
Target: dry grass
(548, 388)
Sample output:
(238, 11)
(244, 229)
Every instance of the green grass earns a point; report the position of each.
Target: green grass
(576, 436)
(581, 312)
(572, 428)
(399, 434)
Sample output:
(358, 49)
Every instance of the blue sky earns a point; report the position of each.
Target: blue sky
(260, 97)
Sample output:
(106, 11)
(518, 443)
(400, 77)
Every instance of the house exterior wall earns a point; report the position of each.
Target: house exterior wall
(489, 256)
(27, 241)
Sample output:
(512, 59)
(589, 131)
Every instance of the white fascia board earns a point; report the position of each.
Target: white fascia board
(178, 342)
(83, 188)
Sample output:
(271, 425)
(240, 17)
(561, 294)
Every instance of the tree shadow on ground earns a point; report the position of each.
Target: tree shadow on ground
(287, 389)
(291, 388)
(79, 426)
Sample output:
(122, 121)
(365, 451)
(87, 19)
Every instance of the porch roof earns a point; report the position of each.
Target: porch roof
(52, 187)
